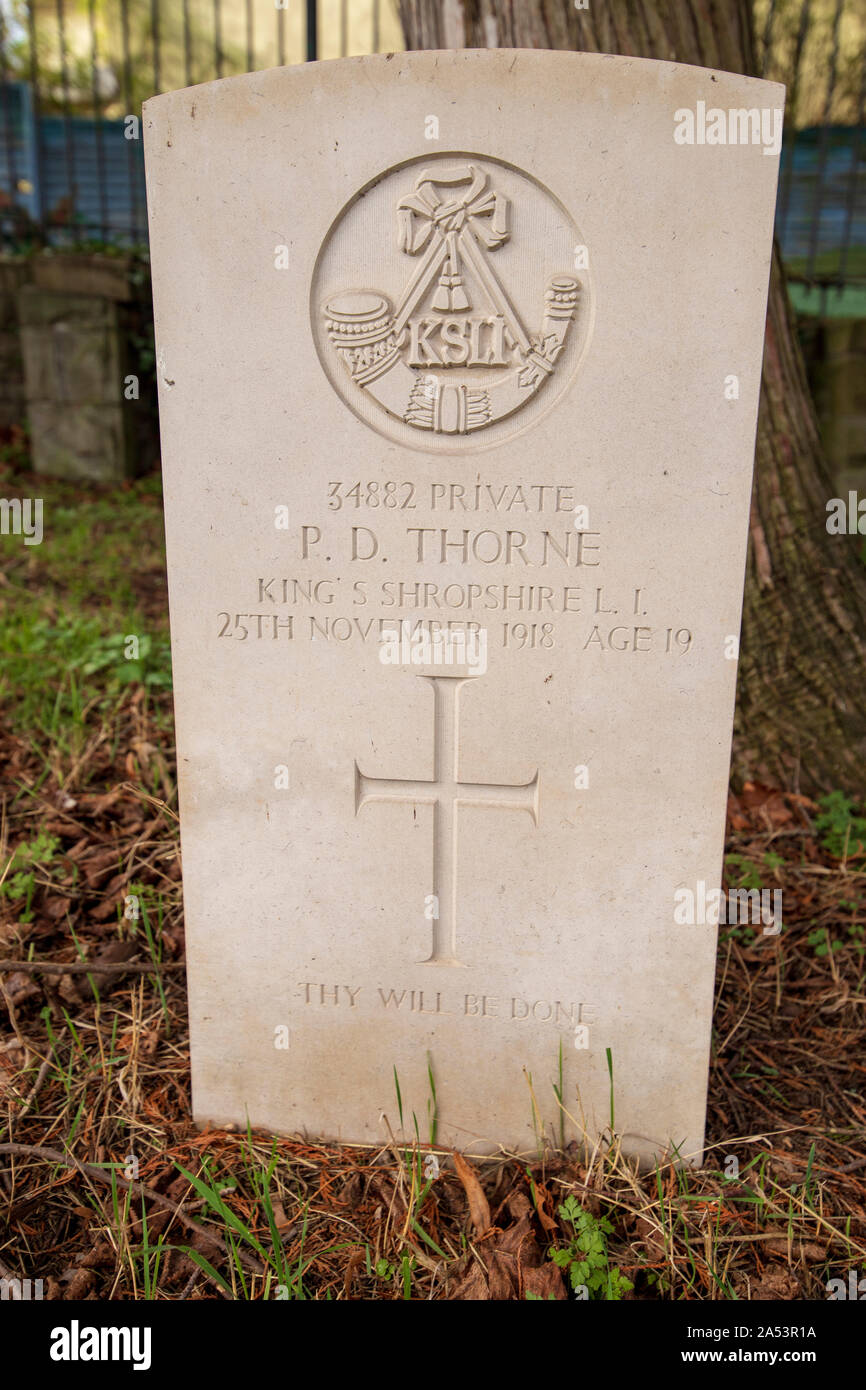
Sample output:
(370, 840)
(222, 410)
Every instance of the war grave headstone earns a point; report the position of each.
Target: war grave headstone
(459, 357)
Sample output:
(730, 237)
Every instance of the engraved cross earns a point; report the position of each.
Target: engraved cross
(446, 792)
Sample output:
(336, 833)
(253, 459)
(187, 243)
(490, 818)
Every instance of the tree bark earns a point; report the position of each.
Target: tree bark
(801, 693)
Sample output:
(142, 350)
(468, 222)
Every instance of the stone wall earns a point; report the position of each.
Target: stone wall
(70, 326)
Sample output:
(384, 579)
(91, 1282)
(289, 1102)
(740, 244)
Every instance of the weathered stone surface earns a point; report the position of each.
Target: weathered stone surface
(73, 349)
(80, 441)
(101, 277)
(462, 339)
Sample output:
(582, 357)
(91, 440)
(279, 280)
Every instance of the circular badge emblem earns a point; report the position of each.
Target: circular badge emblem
(451, 303)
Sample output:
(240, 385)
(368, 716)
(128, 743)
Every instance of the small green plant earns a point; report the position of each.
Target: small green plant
(127, 659)
(400, 1274)
(821, 941)
(740, 932)
(20, 881)
(841, 832)
(585, 1257)
(741, 872)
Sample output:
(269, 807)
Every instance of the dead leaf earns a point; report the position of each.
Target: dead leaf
(354, 1262)
(543, 1200)
(144, 751)
(281, 1221)
(545, 1280)
(56, 907)
(99, 865)
(651, 1235)
(21, 986)
(116, 951)
(352, 1190)
(479, 1208)
(776, 1283)
(473, 1287)
(97, 804)
(79, 1286)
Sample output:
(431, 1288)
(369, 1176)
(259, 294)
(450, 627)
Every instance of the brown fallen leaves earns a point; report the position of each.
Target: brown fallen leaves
(757, 807)
(506, 1260)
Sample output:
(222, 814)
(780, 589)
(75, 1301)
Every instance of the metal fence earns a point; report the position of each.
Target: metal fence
(73, 74)
(818, 49)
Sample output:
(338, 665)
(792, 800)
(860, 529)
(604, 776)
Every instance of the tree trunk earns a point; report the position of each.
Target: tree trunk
(801, 694)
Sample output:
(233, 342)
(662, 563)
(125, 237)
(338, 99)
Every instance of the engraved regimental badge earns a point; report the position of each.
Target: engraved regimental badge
(446, 303)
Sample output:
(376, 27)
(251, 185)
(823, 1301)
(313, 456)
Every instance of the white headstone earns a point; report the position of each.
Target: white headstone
(459, 360)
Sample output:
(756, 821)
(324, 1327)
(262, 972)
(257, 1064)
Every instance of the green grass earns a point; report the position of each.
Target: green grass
(254, 1266)
(70, 606)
